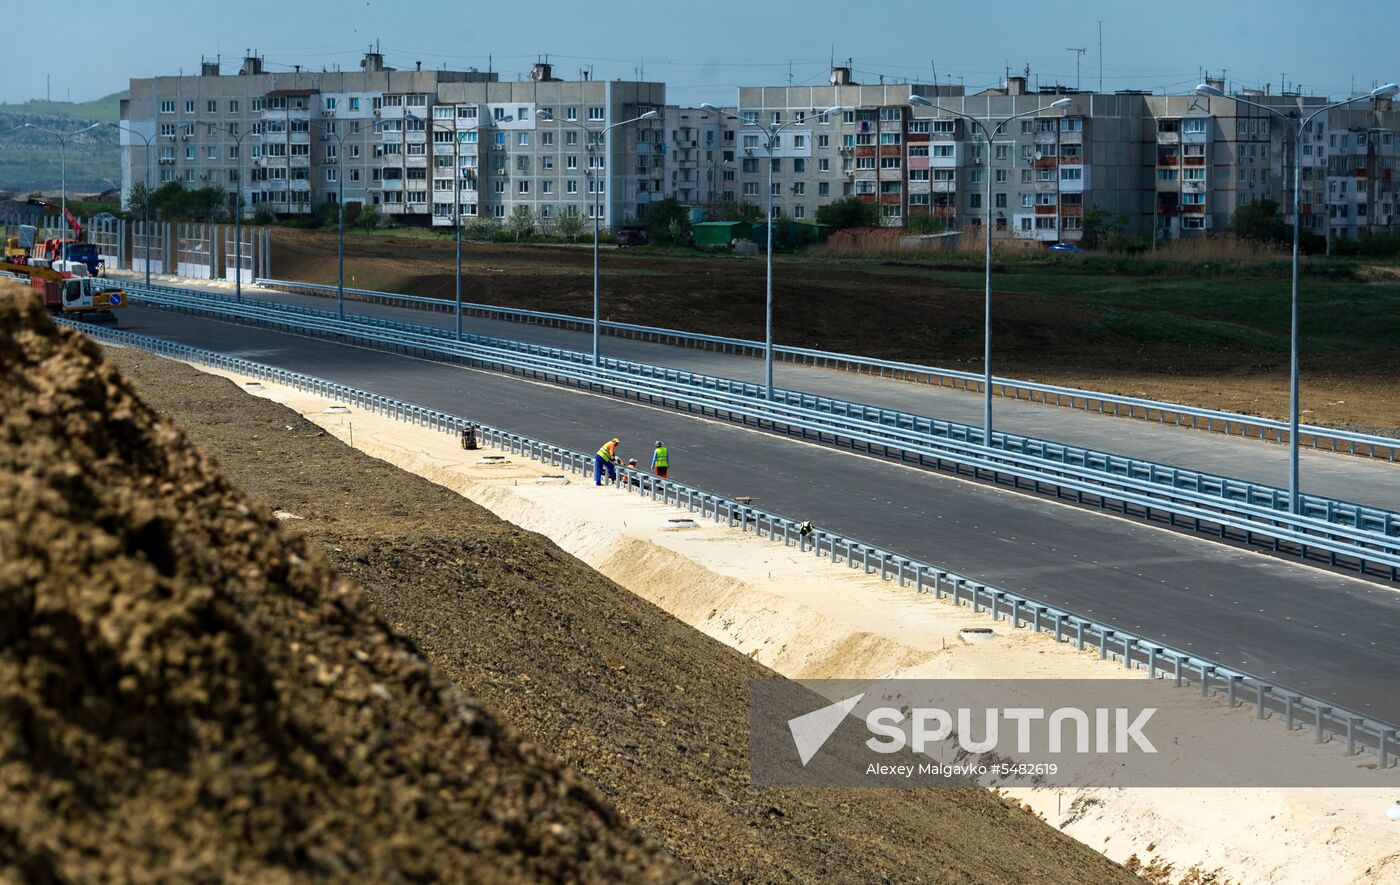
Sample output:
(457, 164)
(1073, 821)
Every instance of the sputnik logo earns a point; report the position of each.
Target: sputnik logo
(810, 731)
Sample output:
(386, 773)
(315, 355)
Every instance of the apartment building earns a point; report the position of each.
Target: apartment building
(423, 145)
(414, 143)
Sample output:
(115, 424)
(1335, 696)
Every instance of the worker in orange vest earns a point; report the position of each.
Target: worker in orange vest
(606, 459)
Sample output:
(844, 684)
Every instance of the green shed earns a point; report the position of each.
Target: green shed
(720, 233)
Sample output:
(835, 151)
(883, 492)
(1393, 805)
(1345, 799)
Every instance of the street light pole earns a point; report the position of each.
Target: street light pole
(145, 203)
(601, 143)
(989, 133)
(1294, 501)
(63, 168)
(237, 207)
(457, 218)
(770, 143)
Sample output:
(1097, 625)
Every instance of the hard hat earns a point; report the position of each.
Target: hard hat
(658, 443)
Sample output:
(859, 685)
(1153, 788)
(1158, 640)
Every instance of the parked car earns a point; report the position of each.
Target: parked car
(1064, 247)
(630, 237)
(104, 217)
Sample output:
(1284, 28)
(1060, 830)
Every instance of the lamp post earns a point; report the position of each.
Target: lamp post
(771, 134)
(145, 203)
(1302, 123)
(62, 164)
(457, 215)
(237, 207)
(596, 137)
(988, 134)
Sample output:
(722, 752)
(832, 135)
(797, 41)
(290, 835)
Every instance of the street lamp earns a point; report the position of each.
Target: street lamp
(596, 138)
(988, 134)
(145, 203)
(340, 218)
(770, 143)
(1302, 122)
(457, 213)
(237, 207)
(62, 164)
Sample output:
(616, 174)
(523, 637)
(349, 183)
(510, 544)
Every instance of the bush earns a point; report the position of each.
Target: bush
(848, 212)
(1100, 226)
(570, 224)
(480, 229)
(925, 224)
(521, 222)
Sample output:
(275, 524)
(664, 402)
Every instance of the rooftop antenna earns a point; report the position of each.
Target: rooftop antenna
(1101, 56)
(789, 73)
(1079, 54)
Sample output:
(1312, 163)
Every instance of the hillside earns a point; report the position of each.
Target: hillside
(30, 160)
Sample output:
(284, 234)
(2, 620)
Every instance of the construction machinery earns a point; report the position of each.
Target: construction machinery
(67, 287)
(27, 245)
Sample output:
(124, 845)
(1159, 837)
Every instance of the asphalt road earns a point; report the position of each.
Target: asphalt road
(1329, 634)
(1346, 478)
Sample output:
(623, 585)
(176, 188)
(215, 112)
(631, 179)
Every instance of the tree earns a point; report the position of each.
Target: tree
(1099, 226)
(848, 212)
(570, 224)
(731, 210)
(667, 221)
(521, 222)
(138, 198)
(1260, 221)
(368, 219)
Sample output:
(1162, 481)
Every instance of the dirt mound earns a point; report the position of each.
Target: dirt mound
(187, 693)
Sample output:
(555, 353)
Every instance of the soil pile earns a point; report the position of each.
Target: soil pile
(187, 693)
(653, 712)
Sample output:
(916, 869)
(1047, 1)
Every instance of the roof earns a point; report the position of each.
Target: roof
(292, 93)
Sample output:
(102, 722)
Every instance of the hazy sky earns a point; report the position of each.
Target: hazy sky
(704, 49)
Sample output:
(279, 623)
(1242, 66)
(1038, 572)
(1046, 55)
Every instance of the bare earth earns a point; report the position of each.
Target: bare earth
(650, 710)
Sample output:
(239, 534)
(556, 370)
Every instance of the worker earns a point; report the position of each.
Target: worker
(606, 459)
(632, 472)
(660, 460)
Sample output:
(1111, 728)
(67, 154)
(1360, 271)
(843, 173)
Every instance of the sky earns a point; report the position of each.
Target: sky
(704, 50)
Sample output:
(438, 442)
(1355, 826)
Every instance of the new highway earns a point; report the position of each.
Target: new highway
(1325, 633)
(1360, 480)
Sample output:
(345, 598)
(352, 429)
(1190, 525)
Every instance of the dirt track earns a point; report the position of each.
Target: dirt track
(896, 313)
(654, 713)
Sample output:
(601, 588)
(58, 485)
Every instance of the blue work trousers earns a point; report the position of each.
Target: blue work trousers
(599, 465)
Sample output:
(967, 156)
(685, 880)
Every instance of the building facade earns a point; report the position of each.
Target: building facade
(426, 146)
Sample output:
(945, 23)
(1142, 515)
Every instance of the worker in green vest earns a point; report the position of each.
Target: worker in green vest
(660, 459)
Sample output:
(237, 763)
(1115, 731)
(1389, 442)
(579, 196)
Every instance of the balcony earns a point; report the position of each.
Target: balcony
(1045, 210)
(1046, 162)
(1168, 160)
(943, 187)
(416, 162)
(299, 184)
(1045, 138)
(416, 137)
(1072, 211)
(865, 150)
(443, 150)
(300, 138)
(1172, 137)
(300, 162)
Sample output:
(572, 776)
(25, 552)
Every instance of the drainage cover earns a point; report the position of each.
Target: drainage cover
(493, 459)
(555, 480)
(337, 410)
(977, 634)
(682, 523)
(252, 385)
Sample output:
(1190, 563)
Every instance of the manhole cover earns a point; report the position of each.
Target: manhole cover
(337, 410)
(252, 385)
(553, 480)
(682, 523)
(977, 634)
(493, 459)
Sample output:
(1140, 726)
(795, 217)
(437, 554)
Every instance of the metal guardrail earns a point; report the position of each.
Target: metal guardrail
(1270, 699)
(1176, 414)
(1310, 537)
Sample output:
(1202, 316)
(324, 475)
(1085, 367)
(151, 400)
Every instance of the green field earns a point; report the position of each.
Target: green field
(30, 161)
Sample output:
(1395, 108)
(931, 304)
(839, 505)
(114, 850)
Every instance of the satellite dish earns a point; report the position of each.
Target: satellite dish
(1039, 154)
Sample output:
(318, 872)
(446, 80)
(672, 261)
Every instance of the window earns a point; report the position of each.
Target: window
(945, 151)
(799, 141)
(823, 188)
(749, 165)
(750, 118)
(189, 107)
(233, 152)
(1000, 176)
(890, 163)
(1168, 174)
(750, 188)
(1027, 200)
(1000, 200)
(522, 139)
(1071, 124)
(167, 130)
(943, 174)
(522, 186)
(571, 161)
(571, 137)
(974, 176)
(944, 127)
(865, 187)
(167, 107)
(918, 175)
(775, 166)
(799, 165)
(211, 153)
(1194, 174)
(1193, 199)
(1045, 199)
(865, 162)
(1196, 125)
(974, 201)
(799, 188)
(775, 118)
(891, 187)
(823, 165)
(571, 186)
(595, 114)
(415, 100)
(571, 114)
(891, 138)
(522, 113)
(1025, 176)
(417, 150)
(1025, 127)
(1074, 173)
(823, 141)
(918, 127)
(547, 139)
(750, 142)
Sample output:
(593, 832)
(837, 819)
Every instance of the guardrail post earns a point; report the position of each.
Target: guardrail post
(1260, 702)
(1351, 735)
(1152, 652)
(1206, 670)
(1288, 701)
(1320, 721)
(1079, 634)
(976, 604)
(901, 574)
(1177, 676)
(1230, 682)
(1103, 642)
(1382, 751)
